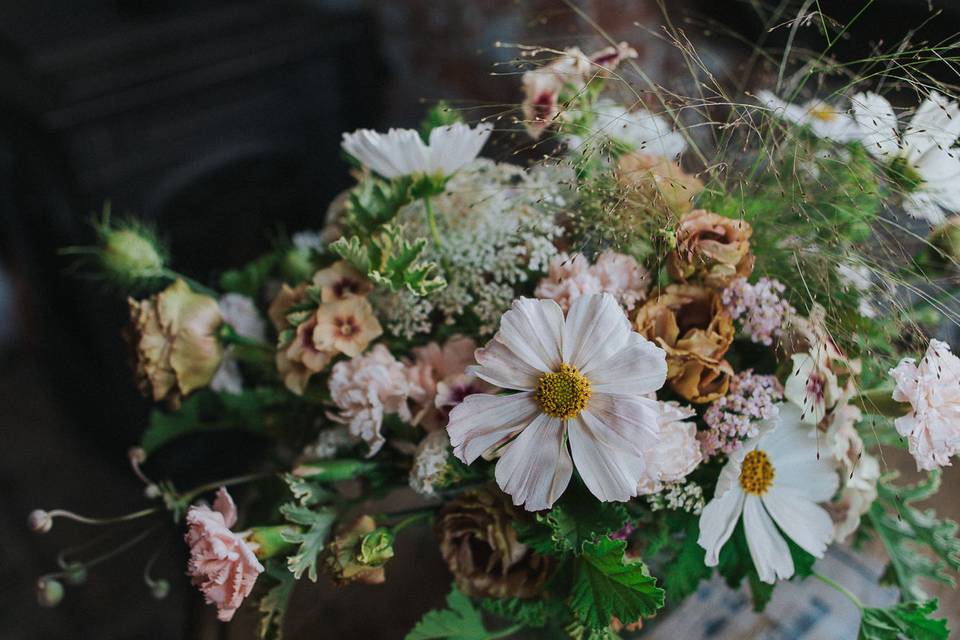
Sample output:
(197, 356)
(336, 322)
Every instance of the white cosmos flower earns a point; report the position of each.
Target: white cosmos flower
(775, 481)
(581, 383)
(921, 154)
(401, 152)
(823, 119)
(641, 130)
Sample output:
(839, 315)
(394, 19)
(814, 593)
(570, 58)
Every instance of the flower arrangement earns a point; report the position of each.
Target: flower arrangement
(608, 374)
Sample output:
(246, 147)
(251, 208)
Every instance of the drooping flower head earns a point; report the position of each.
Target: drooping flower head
(775, 483)
(932, 388)
(222, 565)
(919, 159)
(581, 382)
(401, 152)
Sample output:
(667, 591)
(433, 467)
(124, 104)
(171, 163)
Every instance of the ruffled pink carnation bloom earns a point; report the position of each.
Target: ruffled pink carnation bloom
(440, 382)
(222, 565)
(368, 387)
(677, 453)
(569, 277)
(932, 388)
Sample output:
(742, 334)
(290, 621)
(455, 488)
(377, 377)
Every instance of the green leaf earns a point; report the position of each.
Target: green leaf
(577, 518)
(904, 620)
(459, 621)
(608, 585)
(375, 202)
(391, 260)
(529, 613)
(686, 568)
(311, 537)
(906, 530)
(274, 603)
(439, 115)
(307, 492)
(250, 278)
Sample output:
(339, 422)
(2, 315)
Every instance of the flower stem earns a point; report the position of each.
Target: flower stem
(880, 402)
(229, 335)
(432, 221)
(830, 583)
(196, 286)
(503, 633)
(187, 496)
(411, 519)
(69, 515)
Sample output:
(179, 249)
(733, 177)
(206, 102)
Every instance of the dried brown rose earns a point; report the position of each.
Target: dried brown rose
(174, 339)
(480, 546)
(712, 249)
(692, 326)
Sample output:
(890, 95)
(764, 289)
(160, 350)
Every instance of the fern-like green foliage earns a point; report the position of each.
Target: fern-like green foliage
(273, 605)
(391, 260)
(907, 531)
(375, 202)
(905, 620)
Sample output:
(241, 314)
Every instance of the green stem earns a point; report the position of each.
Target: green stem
(503, 633)
(188, 496)
(880, 402)
(432, 221)
(409, 520)
(229, 335)
(830, 583)
(69, 515)
(196, 286)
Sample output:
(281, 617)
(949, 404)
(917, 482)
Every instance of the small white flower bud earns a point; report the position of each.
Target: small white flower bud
(49, 592)
(159, 589)
(39, 521)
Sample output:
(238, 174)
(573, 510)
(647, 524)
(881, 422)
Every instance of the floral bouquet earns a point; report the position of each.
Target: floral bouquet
(675, 344)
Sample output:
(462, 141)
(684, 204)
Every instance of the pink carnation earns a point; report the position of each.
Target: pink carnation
(932, 388)
(618, 274)
(222, 565)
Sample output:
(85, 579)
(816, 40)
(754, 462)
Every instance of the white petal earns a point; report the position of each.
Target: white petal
(535, 467)
(624, 422)
(398, 152)
(533, 330)
(637, 368)
(879, 124)
(596, 328)
(768, 549)
(941, 172)
(816, 479)
(922, 206)
(935, 125)
(500, 366)
(717, 522)
(483, 420)
(804, 522)
(611, 474)
(455, 145)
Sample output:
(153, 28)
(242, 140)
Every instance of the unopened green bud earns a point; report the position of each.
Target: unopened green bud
(333, 470)
(49, 592)
(159, 589)
(298, 264)
(130, 253)
(269, 542)
(376, 548)
(75, 574)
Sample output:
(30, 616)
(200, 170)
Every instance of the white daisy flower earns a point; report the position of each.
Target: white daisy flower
(640, 130)
(823, 119)
(401, 152)
(775, 481)
(581, 383)
(920, 158)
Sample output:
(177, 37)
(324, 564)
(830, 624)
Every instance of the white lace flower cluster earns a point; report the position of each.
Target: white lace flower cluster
(678, 496)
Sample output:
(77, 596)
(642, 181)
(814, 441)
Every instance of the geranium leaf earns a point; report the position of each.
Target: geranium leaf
(311, 537)
(459, 621)
(273, 604)
(904, 620)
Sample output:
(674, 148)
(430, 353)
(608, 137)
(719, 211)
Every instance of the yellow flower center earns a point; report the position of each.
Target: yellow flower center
(823, 113)
(756, 473)
(564, 393)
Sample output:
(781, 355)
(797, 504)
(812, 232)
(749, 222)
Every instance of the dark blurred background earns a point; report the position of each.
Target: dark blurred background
(219, 123)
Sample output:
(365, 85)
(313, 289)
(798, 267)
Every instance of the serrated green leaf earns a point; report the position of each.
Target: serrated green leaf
(249, 279)
(904, 620)
(375, 202)
(391, 260)
(353, 251)
(577, 518)
(608, 585)
(529, 613)
(311, 537)
(274, 603)
(459, 621)
(307, 492)
(905, 530)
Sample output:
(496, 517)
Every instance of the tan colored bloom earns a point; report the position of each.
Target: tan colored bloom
(359, 552)
(440, 377)
(298, 359)
(285, 299)
(347, 326)
(173, 335)
(692, 326)
(340, 281)
(480, 546)
(653, 182)
(711, 248)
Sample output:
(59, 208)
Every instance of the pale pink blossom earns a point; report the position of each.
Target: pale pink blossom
(812, 386)
(222, 564)
(621, 276)
(367, 388)
(736, 416)
(676, 454)
(932, 388)
(439, 376)
(759, 308)
(569, 277)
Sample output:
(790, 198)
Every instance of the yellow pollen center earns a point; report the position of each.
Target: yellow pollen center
(756, 473)
(823, 113)
(564, 393)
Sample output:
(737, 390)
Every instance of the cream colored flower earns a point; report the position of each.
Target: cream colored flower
(932, 388)
(640, 130)
(677, 453)
(582, 381)
(401, 152)
(347, 326)
(340, 281)
(812, 387)
(823, 119)
(775, 481)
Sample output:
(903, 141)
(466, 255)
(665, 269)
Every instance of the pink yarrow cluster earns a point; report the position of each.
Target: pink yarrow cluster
(759, 308)
(734, 417)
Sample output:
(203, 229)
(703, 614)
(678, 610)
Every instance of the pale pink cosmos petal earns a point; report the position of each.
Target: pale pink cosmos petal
(638, 367)
(768, 550)
(718, 520)
(500, 366)
(533, 330)
(800, 519)
(481, 421)
(879, 124)
(610, 474)
(535, 467)
(935, 125)
(623, 422)
(596, 328)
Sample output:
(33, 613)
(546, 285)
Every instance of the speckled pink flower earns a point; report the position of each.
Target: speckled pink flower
(932, 388)
(222, 565)
(440, 380)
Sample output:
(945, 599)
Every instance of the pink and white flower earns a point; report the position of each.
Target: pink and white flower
(222, 564)
(677, 453)
(582, 382)
(402, 152)
(812, 387)
(932, 388)
(440, 377)
(569, 277)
